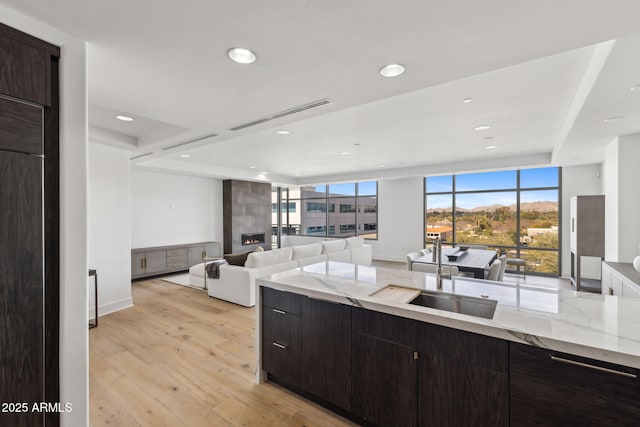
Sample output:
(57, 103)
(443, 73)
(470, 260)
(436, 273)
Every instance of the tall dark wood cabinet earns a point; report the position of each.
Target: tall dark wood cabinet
(29, 228)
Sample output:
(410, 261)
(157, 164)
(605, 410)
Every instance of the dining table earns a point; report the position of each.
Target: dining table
(471, 260)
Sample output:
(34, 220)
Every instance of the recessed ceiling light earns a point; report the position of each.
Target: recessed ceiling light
(283, 132)
(252, 167)
(613, 119)
(345, 153)
(357, 144)
(488, 138)
(380, 165)
(241, 56)
(125, 118)
(392, 70)
(635, 88)
(264, 173)
(490, 147)
(467, 100)
(482, 127)
(185, 155)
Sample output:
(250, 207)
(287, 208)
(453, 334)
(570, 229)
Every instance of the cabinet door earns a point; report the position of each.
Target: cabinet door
(327, 351)
(137, 263)
(616, 284)
(21, 286)
(457, 393)
(156, 261)
(630, 290)
(606, 280)
(384, 381)
(463, 378)
(548, 388)
(195, 255)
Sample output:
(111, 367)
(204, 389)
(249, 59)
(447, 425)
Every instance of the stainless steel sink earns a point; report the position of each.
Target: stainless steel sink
(479, 307)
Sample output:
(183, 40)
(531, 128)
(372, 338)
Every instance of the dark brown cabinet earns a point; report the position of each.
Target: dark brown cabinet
(552, 388)
(29, 228)
(462, 379)
(384, 381)
(306, 344)
(326, 343)
(282, 336)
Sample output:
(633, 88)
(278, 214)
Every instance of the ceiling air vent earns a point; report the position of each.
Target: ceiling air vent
(285, 113)
(191, 141)
(140, 156)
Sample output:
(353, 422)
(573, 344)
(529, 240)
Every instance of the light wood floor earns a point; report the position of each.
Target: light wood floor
(181, 358)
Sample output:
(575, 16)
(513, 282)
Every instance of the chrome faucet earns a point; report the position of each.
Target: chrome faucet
(437, 256)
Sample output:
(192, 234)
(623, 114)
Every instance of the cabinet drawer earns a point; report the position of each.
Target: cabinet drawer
(176, 263)
(283, 301)
(486, 352)
(577, 390)
(182, 252)
(284, 328)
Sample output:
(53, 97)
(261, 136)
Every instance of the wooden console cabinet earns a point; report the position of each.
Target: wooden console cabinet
(170, 259)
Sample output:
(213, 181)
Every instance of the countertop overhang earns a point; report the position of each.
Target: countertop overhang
(600, 327)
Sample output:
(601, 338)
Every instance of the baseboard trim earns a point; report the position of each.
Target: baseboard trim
(111, 307)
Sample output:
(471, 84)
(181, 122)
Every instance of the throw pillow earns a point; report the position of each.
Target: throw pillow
(259, 249)
(237, 259)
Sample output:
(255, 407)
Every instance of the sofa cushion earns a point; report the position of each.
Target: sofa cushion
(275, 256)
(354, 242)
(306, 251)
(237, 259)
(333, 246)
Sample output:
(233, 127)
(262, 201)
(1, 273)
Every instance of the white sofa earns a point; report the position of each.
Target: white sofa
(237, 284)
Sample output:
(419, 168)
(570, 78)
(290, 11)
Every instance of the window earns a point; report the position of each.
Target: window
(515, 211)
(336, 210)
(286, 207)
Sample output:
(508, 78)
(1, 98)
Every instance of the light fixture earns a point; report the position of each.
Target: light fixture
(380, 165)
(490, 147)
(467, 100)
(356, 144)
(264, 173)
(635, 88)
(345, 153)
(283, 132)
(613, 119)
(252, 167)
(482, 127)
(125, 118)
(185, 155)
(241, 55)
(488, 138)
(392, 70)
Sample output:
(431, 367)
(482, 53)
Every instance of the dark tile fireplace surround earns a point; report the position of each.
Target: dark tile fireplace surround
(246, 215)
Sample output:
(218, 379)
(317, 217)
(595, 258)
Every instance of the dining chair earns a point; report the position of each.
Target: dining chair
(433, 268)
(410, 257)
(494, 270)
(425, 251)
(503, 266)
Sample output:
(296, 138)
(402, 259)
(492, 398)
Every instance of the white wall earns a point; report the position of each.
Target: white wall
(169, 209)
(400, 218)
(621, 178)
(610, 188)
(109, 228)
(578, 181)
(74, 379)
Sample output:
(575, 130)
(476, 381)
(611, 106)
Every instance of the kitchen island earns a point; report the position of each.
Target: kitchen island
(327, 332)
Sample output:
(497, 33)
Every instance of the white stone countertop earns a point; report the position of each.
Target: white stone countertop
(601, 327)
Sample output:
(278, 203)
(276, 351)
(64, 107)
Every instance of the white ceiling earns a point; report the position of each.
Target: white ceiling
(531, 68)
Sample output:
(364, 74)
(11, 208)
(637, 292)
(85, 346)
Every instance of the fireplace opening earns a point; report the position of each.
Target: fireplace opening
(252, 238)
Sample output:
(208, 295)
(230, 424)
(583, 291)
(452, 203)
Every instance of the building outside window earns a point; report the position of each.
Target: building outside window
(514, 211)
(333, 210)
